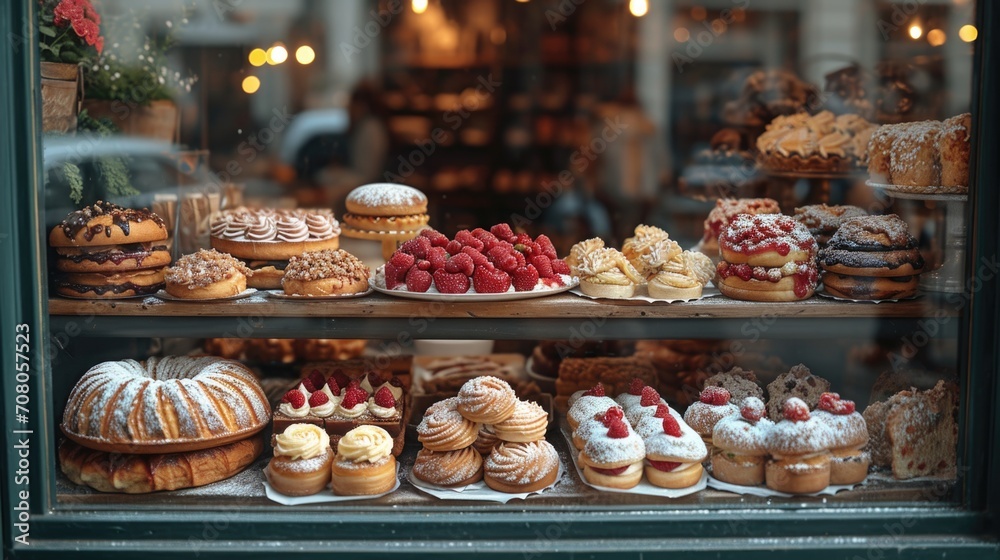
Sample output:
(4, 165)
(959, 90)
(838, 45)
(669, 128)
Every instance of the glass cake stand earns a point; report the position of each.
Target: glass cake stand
(948, 277)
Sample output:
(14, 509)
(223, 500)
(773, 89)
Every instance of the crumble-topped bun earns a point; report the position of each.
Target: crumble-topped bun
(324, 273)
(206, 274)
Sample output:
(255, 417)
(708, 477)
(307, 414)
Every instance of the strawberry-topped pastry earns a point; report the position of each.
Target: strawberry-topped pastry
(650, 424)
(383, 405)
(306, 387)
(613, 457)
(713, 405)
(588, 404)
(674, 455)
(372, 381)
(798, 444)
(333, 391)
(649, 399)
(742, 443)
(849, 464)
(768, 257)
(353, 404)
(633, 396)
(320, 405)
(294, 404)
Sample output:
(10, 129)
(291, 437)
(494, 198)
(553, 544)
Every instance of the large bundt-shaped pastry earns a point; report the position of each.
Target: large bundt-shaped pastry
(165, 405)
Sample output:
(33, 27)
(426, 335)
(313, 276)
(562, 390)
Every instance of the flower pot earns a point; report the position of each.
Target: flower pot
(158, 120)
(60, 96)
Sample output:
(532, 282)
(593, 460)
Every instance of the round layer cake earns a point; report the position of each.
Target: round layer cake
(767, 258)
(386, 207)
(274, 235)
(165, 405)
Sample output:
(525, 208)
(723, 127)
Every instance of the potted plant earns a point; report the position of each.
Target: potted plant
(133, 85)
(69, 33)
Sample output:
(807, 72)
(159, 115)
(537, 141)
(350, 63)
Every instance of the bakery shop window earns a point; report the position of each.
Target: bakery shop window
(736, 256)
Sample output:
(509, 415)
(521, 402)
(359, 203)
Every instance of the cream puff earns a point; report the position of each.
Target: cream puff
(301, 462)
(713, 405)
(613, 457)
(674, 455)
(742, 443)
(849, 461)
(364, 464)
(587, 405)
(798, 445)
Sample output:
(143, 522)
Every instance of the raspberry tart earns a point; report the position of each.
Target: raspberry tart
(767, 258)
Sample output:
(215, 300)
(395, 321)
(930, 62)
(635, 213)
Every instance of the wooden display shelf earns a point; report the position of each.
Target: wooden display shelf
(554, 317)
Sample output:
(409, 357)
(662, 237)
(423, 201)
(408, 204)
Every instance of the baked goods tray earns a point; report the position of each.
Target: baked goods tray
(479, 491)
(643, 296)
(644, 487)
(166, 296)
(908, 192)
(278, 294)
(765, 492)
(823, 294)
(322, 497)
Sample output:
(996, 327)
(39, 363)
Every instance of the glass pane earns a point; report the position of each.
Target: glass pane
(247, 126)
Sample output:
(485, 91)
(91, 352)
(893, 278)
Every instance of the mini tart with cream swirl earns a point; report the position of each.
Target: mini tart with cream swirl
(207, 274)
(683, 277)
(301, 462)
(606, 273)
(325, 273)
(364, 464)
(649, 249)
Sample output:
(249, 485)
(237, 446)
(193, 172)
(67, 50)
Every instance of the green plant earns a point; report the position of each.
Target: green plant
(112, 171)
(69, 31)
(136, 72)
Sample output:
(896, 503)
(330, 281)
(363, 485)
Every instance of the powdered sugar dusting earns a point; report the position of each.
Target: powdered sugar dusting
(386, 194)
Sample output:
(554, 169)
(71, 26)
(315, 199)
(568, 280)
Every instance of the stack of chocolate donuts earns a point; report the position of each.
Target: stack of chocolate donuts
(872, 258)
(486, 419)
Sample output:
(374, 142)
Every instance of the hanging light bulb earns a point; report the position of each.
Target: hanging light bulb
(419, 6)
(968, 33)
(638, 8)
(916, 31)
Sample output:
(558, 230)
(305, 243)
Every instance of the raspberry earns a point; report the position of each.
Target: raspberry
(437, 257)
(649, 397)
(488, 239)
(294, 398)
(334, 386)
(635, 388)
(502, 231)
(353, 398)
(832, 403)
(418, 247)
(618, 430)
(521, 261)
(559, 266)
(307, 384)
(317, 378)
(460, 263)
(341, 378)
(752, 409)
(553, 282)
(489, 280)
(670, 426)
(384, 398)
(596, 391)
(451, 282)
(611, 415)
(354, 384)
(478, 258)
(502, 258)
(374, 378)
(466, 238)
(545, 244)
(522, 238)
(662, 411)
(544, 266)
(525, 278)
(453, 247)
(318, 398)
(424, 265)
(437, 238)
(664, 466)
(795, 409)
(395, 270)
(418, 280)
(716, 396)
